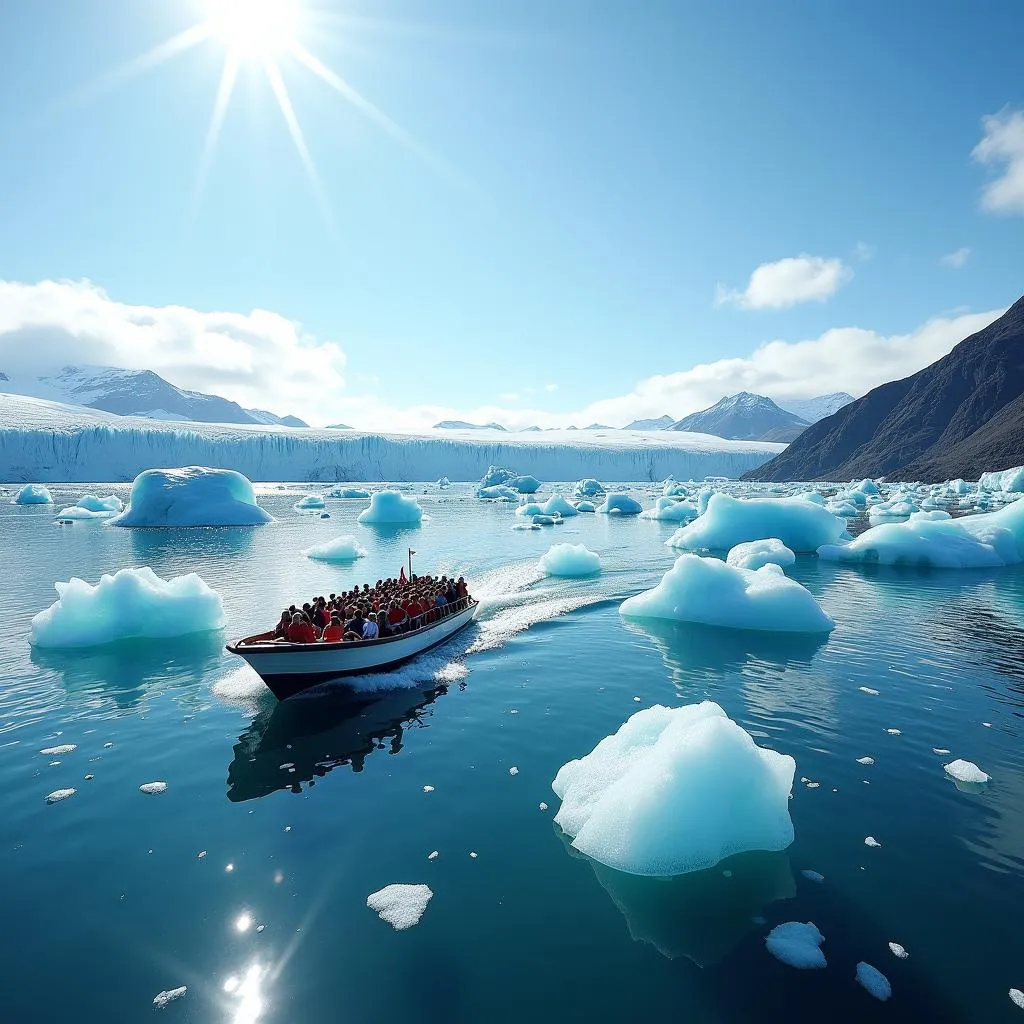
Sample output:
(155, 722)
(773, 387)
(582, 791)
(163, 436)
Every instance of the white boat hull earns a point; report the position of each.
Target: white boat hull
(291, 668)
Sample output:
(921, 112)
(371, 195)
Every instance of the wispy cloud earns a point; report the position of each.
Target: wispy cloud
(1002, 145)
(957, 259)
(788, 282)
(509, 396)
(864, 251)
(550, 387)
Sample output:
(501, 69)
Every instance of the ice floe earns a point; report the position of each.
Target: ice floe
(353, 492)
(131, 603)
(193, 496)
(1017, 997)
(310, 501)
(620, 505)
(874, 981)
(570, 560)
(966, 771)
(59, 794)
(162, 999)
(797, 944)
(668, 510)
(153, 788)
(755, 553)
(872, 842)
(898, 951)
(64, 748)
(341, 549)
(728, 521)
(675, 790)
(813, 876)
(708, 591)
(391, 508)
(32, 494)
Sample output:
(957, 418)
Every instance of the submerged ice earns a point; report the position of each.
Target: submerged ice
(797, 944)
(676, 790)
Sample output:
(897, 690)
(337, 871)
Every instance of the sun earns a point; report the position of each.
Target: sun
(255, 29)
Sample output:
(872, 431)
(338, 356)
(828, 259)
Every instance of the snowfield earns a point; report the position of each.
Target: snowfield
(46, 441)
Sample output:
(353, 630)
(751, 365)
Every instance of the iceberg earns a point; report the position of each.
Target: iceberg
(675, 790)
(131, 603)
(340, 549)
(1010, 481)
(496, 477)
(77, 512)
(800, 525)
(531, 508)
(570, 560)
(111, 503)
(401, 906)
(557, 505)
(32, 494)
(194, 496)
(620, 504)
(667, 510)
(310, 501)
(391, 508)
(934, 540)
(499, 492)
(710, 592)
(526, 484)
(347, 492)
(797, 944)
(966, 771)
(589, 488)
(756, 553)
(874, 981)
(585, 506)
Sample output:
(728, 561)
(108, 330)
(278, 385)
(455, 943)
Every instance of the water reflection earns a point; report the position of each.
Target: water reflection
(193, 542)
(246, 995)
(127, 670)
(301, 740)
(703, 915)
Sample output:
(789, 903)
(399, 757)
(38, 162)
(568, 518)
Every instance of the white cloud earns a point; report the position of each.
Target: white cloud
(788, 282)
(259, 359)
(864, 251)
(957, 259)
(1002, 143)
(550, 387)
(510, 396)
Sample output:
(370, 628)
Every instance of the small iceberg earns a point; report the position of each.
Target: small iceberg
(558, 505)
(391, 508)
(348, 492)
(499, 492)
(620, 505)
(676, 790)
(710, 592)
(570, 560)
(310, 501)
(668, 510)
(341, 549)
(967, 776)
(755, 553)
(797, 944)
(874, 981)
(131, 603)
(526, 484)
(401, 906)
(162, 999)
(589, 488)
(32, 494)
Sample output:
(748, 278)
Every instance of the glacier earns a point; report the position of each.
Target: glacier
(42, 441)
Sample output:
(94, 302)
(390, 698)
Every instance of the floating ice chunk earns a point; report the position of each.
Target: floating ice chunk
(898, 951)
(526, 484)
(350, 492)
(585, 506)
(391, 508)
(570, 560)
(162, 999)
(531, 508)
(872, 842)
(589, 488)
(1017, 997)
(667, 510)
(131, 603)
(111, 503)
(428, 789)
(797, 944)
(966, 771)
(153, 788)
(756, 553)
(473, 854)
(79, 513)
(499, 492)
(558, 505)
(894, 732)
(933, 540)
(728, 521)
(525, 526)
(543, 806)
(32, 494)
(496, 476)
(401, 906)
(865, 760)
(846, 509)
(341, 549)
(64, 748)
(60, 794)
(194, 496)
(310, 501)
(940, 750)
(708, 591)
(1008, 480)
(433, 855)
(545, 520)
(813, 876)
(513, 770)
(874, 981)
(621, 505)
(868, 690)
(675, 790)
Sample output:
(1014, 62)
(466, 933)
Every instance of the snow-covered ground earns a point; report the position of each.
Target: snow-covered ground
(47, 441)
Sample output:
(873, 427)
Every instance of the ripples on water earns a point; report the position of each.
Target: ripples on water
(287, 815)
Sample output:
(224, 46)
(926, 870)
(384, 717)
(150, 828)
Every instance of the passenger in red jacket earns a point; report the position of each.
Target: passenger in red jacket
(300, 631)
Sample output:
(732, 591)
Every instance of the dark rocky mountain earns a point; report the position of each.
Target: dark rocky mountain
(744, 417)
(959, 417)
(661, 423)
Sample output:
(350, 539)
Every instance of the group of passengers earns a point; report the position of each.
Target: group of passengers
(391, 607)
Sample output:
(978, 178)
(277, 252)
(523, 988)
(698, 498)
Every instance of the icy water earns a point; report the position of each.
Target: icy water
(246, 881)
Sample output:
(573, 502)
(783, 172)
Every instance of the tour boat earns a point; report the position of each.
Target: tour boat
(289, 668)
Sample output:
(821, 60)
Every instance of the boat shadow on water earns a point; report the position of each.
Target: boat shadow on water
(311, 735)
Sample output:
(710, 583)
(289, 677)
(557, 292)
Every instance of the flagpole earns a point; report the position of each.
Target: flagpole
(410, 565)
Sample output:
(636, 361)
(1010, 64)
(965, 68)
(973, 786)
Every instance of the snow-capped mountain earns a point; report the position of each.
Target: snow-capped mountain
(463, 425)
(135, 393)
(661, 423)
(814, 409)
(744, 417)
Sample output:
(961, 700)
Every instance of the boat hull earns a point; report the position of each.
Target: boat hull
(288, 669)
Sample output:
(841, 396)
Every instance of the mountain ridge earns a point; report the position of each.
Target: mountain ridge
(744, 417)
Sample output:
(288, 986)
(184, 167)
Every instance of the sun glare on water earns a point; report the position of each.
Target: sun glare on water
(255, 29)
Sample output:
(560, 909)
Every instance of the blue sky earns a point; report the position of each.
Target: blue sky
(584, 178)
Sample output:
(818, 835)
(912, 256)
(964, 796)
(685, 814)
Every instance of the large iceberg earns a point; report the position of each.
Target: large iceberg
(676, 790)
(391, 508)
(131, 603)
(340, 549)
(934, 540)
(728, 521)
(570, 560)
(194, 496)
(756, 553)
(1009, 480)
(620, 504)
(710, 592)
(32, 494)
